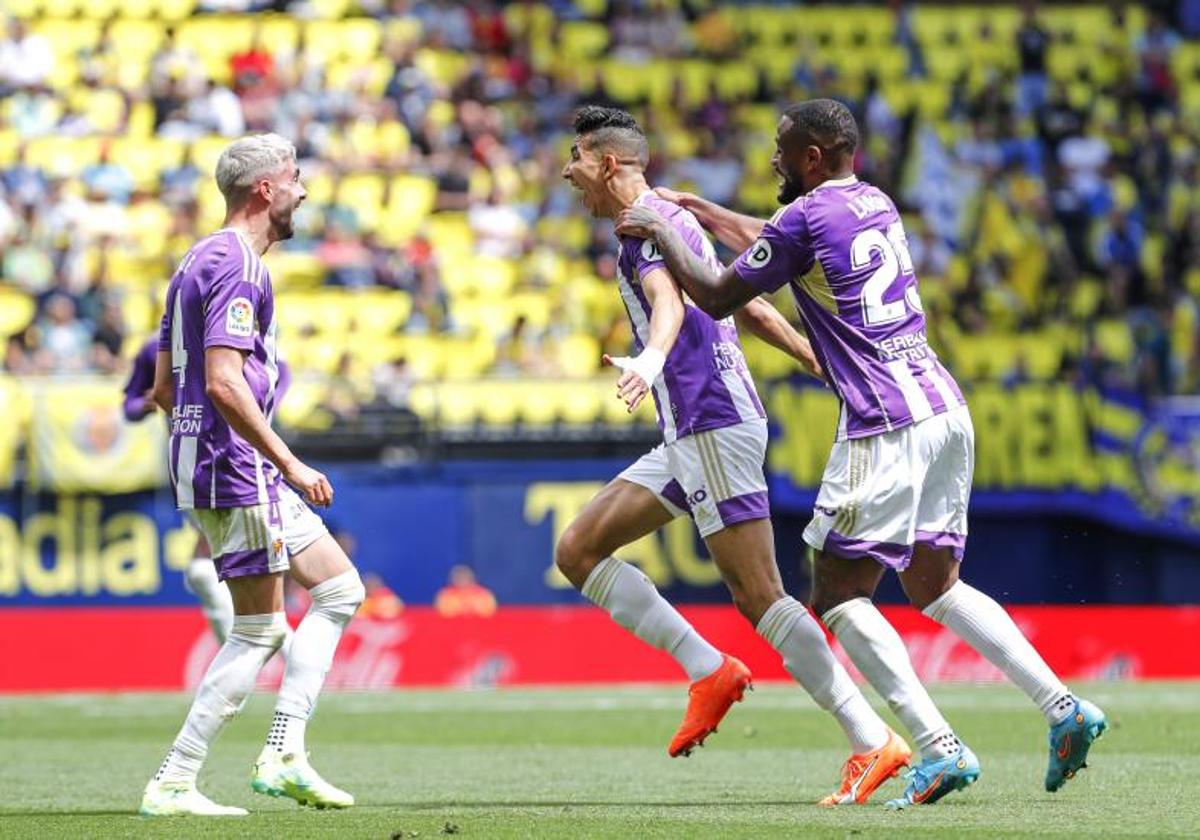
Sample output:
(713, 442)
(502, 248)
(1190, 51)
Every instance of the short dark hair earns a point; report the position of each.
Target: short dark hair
(826, 123)
(613, 130)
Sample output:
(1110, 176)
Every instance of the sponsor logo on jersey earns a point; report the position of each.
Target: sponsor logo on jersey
(239, 318)
(650, 252)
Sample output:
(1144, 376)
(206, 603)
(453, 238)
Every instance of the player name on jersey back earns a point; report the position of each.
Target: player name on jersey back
(843, 250)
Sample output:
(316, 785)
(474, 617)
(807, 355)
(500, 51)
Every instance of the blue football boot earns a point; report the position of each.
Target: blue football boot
(933, 778)
(1070, 741)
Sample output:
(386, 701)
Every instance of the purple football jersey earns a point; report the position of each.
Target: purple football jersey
(141, 380)
(843, 249)
(704, 384)
(220, 296)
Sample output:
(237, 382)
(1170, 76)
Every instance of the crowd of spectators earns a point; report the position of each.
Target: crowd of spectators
(1034, 196)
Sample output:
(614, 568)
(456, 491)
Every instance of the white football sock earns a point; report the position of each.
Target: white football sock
(634, 603)
(287, 734)
(877, 651)
(225, 686)
(790, 629)
(984, 625)
(215, 601)
(334, 603)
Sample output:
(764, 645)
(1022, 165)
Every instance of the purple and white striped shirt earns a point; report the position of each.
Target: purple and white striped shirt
(705, 383)
(220, 296)
(843, 249)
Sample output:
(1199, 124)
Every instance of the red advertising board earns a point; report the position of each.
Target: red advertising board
(167, 648)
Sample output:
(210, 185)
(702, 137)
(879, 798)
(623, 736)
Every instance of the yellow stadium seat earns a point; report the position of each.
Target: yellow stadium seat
(280, 33)
(469, 357)
(443, 66)
(63, 155)
(216, 37)
(16, 310)
(583, 39)
(329, 9)
(22, 9)
(368, 74)
(529, 18)
(319, 187)
(302, 398)
(362, 193)
(498, 401)
(1115, 340)
(581, 403)
(490, 317)
(540, 403)
(579, 355)
(404, 30)
(456, 403)
(410, 201)
(357, 38)
(174, 9)
(380, 312)
(103, 107)
(138, 311)
(422, 399)
(294, 270)
(137, 37)
(9, 141)
(146, 158)
(68, 37)
(451, 235)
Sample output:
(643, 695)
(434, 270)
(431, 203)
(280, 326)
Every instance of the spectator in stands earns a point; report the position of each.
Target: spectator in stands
(1033, 42)
(499, 229)
(108, 337)
(1155, 50)
(65, 339)
(464, 596)
(108, 181)
(381, 602)
(26, 60)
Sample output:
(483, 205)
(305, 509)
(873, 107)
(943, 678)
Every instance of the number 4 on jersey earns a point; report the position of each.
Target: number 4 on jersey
(893, 250)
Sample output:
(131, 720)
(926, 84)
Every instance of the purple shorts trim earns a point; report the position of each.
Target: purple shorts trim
(888, 554)
(744, 508)
(674, 494)
(236, 564)
(944, 539)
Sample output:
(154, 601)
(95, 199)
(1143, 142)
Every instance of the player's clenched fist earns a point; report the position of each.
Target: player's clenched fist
(313, 485)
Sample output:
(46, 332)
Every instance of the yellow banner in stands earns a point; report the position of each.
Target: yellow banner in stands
(80, 442)
(14, 408)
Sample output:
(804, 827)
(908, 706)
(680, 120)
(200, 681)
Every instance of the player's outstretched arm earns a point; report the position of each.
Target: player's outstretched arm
(717, 294)
(733, 230)
(226, 386)
(762, 319)
(666, 320)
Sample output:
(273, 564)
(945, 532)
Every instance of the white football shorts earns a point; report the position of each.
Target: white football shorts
(258, 539)
(715, 476)
(882, 494)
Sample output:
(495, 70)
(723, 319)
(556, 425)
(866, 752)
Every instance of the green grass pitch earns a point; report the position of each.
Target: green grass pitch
(593, 763)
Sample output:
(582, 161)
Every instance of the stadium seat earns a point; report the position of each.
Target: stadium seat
(63, 155)
(147, 158)
(16, 310)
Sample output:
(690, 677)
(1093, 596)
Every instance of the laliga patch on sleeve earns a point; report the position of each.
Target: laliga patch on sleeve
(239, 318)
(759, 254)
(650, 251)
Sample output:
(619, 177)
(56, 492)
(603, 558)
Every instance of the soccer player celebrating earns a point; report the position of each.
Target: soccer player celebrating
(217, 375)
(710, 465)
(894, 494)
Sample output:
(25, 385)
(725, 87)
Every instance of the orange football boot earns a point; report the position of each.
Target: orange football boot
(863, 774)
(709, 700)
